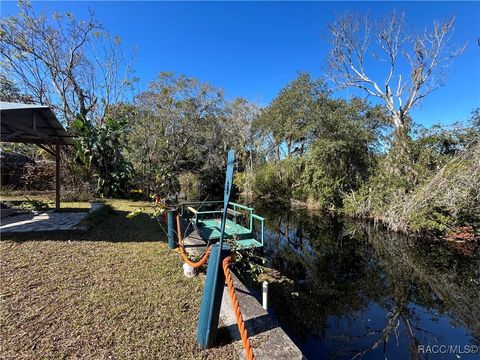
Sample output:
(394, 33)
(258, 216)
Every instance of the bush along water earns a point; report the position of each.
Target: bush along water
(415, 180)
(438, 195)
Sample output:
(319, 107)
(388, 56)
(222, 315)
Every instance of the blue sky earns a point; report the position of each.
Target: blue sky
(253, 49)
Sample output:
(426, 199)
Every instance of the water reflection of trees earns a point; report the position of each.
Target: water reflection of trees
(340, 268)
(449, 281)
(331, 276)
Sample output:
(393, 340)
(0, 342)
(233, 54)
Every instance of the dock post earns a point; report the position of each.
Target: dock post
(171, 231)
(215, 281)
(212, 298)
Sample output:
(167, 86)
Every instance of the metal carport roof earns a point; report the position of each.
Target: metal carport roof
(30, 123)
(35, 124)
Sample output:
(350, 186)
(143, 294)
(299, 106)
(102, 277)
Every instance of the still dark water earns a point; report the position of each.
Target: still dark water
(361, 292)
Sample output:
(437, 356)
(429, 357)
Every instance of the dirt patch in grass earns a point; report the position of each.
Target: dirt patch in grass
(114, 291)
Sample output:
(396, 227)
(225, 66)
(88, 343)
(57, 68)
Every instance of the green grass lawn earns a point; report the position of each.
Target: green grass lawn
(114, 291)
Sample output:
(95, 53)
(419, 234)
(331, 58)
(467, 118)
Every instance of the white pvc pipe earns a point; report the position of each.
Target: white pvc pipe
(188, 271)
(265, 295)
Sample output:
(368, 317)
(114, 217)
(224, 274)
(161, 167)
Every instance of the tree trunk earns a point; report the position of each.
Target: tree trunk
(399, 160)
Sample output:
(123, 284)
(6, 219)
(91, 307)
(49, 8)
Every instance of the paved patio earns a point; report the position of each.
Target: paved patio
(45, 221)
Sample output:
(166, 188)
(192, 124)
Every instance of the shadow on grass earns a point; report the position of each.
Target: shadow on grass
(71, 210)
(111, 227)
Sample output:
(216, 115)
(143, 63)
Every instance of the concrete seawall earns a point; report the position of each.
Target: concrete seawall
(268, 339)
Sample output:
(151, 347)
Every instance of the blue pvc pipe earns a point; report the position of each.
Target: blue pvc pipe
(214, 283)
(171, 231)
(212, 298)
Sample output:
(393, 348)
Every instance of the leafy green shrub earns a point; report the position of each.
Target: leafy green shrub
(244, 182)
(239, 180)
(357, 203)
(438, 192)
(167, 181)
(96, 217)
(99, 149)
(274, 180)
(34, 205)
(435, 220)
(189, 185)
(211, 183)
(434, 200)
(332, 168)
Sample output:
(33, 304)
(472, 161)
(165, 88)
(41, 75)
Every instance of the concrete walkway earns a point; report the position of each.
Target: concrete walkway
(45, 221)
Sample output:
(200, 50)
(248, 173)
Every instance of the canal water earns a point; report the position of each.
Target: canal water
(357, 291)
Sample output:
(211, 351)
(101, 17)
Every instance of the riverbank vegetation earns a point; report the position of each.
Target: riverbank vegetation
(365, 156)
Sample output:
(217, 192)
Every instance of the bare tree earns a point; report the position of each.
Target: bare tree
(73, 65)
(413, 63)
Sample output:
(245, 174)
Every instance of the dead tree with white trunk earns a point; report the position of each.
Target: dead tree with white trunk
(412, 63)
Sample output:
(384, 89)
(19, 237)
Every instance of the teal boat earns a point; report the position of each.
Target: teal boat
(242, 225)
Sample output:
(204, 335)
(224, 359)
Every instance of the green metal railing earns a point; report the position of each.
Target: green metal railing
(232, 205)
(201, 203)
(262, 225)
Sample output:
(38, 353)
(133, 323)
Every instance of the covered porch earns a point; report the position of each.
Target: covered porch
(35, 124)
